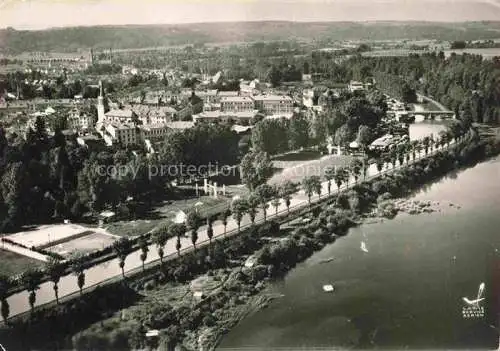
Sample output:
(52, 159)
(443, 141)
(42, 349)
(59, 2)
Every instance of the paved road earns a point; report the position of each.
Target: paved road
(109, 271)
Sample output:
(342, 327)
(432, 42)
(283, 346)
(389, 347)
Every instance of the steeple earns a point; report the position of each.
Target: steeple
(100, 104)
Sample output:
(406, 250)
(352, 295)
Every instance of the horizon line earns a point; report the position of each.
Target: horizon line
(17, 28)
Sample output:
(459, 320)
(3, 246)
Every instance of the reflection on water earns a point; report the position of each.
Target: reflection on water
(422, 129)
(407, 291)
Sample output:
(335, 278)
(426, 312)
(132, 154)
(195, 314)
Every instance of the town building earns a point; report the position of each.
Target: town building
(92, 142)
(154, 132)
(125, 134)
(208, 96)
(79, 120)
(120, 116)
(245, 117)
(223, 94)
(180, 125)
(308, 98)
(154, 114)
(359, 86)
(207, 116)
(237, 104)
(274, 105)
(355, 86)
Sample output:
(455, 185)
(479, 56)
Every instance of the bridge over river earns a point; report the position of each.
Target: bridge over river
(427, 115)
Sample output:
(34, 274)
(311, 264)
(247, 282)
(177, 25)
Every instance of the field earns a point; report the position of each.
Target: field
(12, 263)
(295, 167)
(166, 213)
(85, 244)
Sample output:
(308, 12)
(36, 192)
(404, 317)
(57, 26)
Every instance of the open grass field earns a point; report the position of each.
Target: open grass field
(295, 167)
(12, 263)
(166, 213)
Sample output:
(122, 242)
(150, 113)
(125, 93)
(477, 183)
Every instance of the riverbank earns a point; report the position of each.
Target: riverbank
(402, 205)
(242, 282)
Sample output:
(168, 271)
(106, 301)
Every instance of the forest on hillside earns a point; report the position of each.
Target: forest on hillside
(134, 36)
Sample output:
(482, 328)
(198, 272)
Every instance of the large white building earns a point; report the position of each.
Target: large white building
(237, 104)
(154, 132)
(218, 116)
(124, 134)
(274, 105)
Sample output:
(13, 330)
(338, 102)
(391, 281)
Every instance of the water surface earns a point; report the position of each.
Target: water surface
(406, 292)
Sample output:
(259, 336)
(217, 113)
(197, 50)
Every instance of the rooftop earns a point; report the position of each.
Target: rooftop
(120, 113)
(272, 98)
(209, 114)
(200, 93)
(153, 126)
(241, 114)
(180, 125)
(236, 99)
(122, 126)
(228, 93)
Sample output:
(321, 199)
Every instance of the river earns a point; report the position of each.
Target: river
(407, 291)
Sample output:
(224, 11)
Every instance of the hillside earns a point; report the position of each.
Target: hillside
(140, 36)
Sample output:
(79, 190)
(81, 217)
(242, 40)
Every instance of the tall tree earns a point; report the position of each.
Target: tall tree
(255, 168)
(252, 207)
(286, 190)
(238, 209)
(78, 266)
(160, 238)
(311, 185)
(5, 285)
(55, 270)
(341, 176)
(329, 176)
(122, 248)
(178, 245)
(193, 222)
(276, 201)
(144, 246)
(264, 193)
(31, 279)
(223, 218)
(355, 167)
(210, 229)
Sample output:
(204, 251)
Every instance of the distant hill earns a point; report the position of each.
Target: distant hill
(141, 36)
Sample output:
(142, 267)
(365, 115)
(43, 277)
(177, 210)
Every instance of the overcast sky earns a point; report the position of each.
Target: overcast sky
(36, 14)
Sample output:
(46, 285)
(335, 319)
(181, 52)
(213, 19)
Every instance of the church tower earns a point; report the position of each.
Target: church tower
(100, 104)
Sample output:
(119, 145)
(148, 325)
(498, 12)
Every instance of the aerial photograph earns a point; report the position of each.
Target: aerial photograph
(197, 175)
